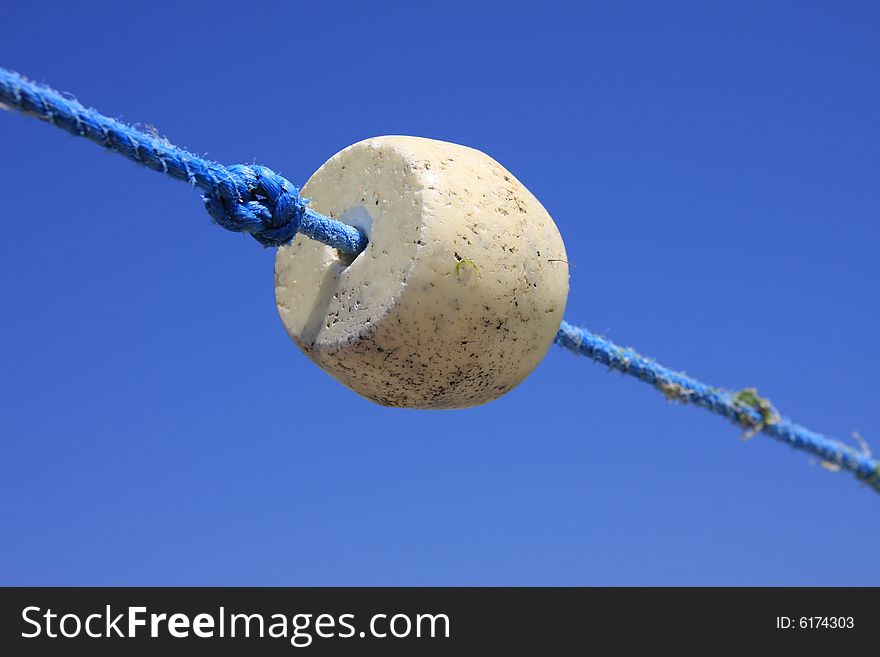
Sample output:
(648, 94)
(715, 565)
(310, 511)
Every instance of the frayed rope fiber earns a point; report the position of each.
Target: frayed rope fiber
(745, 408)
(240, 198)
(256, 200)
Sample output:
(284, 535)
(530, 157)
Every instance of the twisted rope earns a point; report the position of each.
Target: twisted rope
(256, 200)
(240, 198)
(744, 408)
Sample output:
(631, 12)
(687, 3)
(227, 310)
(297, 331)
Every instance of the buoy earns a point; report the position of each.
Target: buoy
(459, 293)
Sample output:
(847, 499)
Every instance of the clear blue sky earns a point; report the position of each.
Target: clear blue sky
(713, 168)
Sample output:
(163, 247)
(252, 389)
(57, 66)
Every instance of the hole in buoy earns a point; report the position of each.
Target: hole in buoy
(360, 218)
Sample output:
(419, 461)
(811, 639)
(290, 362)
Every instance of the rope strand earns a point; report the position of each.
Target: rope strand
(240, 198)
(256, 200)
(744, 408)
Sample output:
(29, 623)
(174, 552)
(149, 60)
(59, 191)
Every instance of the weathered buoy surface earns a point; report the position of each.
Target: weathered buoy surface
(458, 295)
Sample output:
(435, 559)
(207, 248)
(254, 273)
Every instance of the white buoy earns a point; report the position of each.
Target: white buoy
(458, 295)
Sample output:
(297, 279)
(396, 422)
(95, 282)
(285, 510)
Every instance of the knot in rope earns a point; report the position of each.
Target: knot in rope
(259, 202)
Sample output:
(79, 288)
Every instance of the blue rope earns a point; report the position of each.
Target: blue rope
(745, 408)
(256, 200)
(241, 198)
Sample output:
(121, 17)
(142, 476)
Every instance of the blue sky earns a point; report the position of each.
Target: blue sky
(713, 168)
